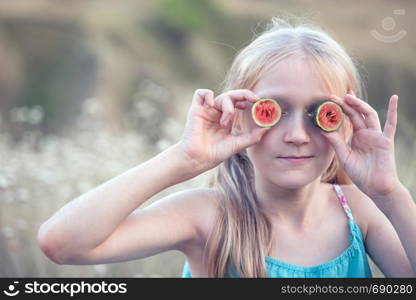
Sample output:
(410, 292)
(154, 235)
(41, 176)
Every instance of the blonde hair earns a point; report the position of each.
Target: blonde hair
(241, 238)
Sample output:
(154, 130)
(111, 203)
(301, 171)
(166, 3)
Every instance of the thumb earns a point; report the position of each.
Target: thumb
(337, 142)
(248, 139)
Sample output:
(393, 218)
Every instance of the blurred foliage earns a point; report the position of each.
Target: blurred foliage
(184, 15)
(104, 83)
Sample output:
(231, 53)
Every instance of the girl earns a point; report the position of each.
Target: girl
(263, 214)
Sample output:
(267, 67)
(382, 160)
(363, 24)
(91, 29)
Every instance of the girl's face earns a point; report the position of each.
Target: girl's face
(295, 85)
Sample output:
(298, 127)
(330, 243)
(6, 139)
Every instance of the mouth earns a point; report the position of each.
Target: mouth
(296, 159)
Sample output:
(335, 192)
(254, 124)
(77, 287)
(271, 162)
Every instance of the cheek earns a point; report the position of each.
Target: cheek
(322, 143)
(323, 147)
(261, 152)
(326, 155)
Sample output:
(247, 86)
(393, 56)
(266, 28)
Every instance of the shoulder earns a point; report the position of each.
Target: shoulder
(203, 204)
(199, 206)
(362, 207)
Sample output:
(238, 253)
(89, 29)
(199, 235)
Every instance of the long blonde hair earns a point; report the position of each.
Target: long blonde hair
(241, 237)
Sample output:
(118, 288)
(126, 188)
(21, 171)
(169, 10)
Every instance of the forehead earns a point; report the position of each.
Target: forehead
(293, 81)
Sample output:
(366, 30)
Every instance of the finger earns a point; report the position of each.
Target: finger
(227, 102)
(209, 99)
(250, 138)
(371, 118)
(340, 146)
(236, 96)
(204, 98)
(356, 118)
(243, 95)
(242, 105)
(391, 121)
(227, 108)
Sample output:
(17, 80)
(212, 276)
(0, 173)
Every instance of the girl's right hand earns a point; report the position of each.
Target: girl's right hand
(207, 138)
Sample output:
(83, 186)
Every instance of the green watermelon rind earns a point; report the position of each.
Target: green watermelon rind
(255, 119)
(316, 114)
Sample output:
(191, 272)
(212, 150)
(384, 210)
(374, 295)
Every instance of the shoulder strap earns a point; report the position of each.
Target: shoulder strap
(343, 201)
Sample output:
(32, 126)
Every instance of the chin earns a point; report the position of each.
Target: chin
(294, 182)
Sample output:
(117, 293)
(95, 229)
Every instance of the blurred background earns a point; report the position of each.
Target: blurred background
(89, 89)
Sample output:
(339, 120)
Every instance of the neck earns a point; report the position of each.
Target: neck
(295, 206)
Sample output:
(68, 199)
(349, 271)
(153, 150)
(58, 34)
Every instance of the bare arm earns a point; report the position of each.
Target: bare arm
(369, 160)
(395, 241)
(87, 221)
(381, 239)
(100, 226)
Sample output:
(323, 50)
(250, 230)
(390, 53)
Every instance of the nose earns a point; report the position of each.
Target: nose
(296, 130)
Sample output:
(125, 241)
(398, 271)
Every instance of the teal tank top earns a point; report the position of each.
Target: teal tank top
(352, 262)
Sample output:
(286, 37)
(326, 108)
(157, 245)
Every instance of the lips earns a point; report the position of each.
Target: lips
(296, 160)
(295, 157)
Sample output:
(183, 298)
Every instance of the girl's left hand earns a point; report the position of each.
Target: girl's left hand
(370, 160)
